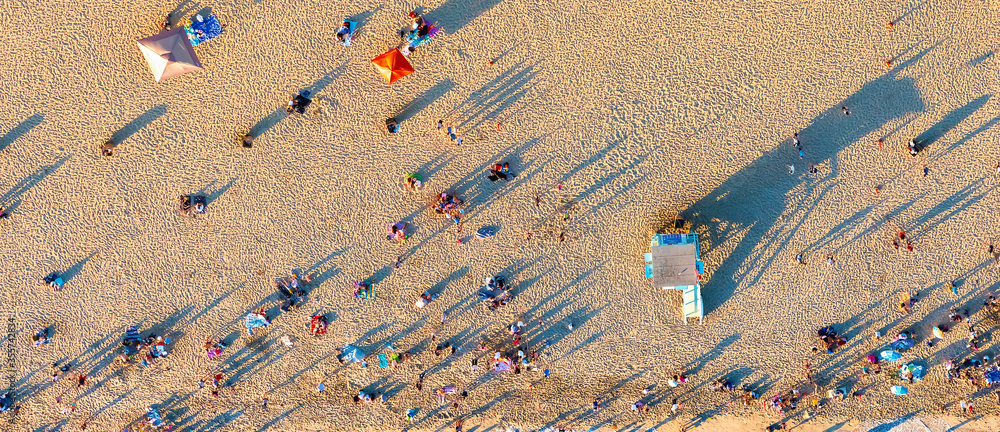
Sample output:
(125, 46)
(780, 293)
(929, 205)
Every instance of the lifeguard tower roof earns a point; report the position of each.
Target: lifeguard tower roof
(675, 265)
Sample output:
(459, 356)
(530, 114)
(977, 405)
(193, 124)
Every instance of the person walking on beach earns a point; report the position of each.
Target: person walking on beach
(966, 406)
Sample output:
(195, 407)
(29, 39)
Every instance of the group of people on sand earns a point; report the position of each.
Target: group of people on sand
(419, 33)
(450, 206)
(901, 239)
(193, 204)
(452, 132)
(362, 290)
(292, 290)
(396, 232)
(500, 171)
(829, 339)
(496, 293)
(147, 348)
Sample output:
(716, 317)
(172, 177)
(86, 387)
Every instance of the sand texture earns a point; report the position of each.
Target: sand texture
(615, 115)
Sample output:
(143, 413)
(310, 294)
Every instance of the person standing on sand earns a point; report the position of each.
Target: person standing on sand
(165, 25)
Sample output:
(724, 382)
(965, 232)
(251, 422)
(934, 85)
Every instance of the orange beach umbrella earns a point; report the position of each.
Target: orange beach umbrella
(392, 65)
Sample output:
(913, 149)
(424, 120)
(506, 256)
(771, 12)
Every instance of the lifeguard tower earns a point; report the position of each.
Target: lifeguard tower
(674, 262)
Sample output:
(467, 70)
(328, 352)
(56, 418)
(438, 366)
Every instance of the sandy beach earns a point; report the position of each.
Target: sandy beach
(614, 116)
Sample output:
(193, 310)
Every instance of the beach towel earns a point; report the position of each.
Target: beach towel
(317, 324)
(132, 335)
(899, 390)
(902, 344)
(415, 40)
(992, 375)
(400, 233)
(202, 29)
(383, 361)
(363, 291)
(938, 333)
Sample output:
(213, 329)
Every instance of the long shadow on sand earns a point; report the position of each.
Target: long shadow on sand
(30, 181)
(495, 96)
(138, 123)
(424, 100)
(949, 122)
(875, 104)
(452, 15)
(265, 124)
(24, 127)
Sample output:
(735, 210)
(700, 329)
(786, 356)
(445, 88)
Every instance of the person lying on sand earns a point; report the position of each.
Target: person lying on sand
(425, 298)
